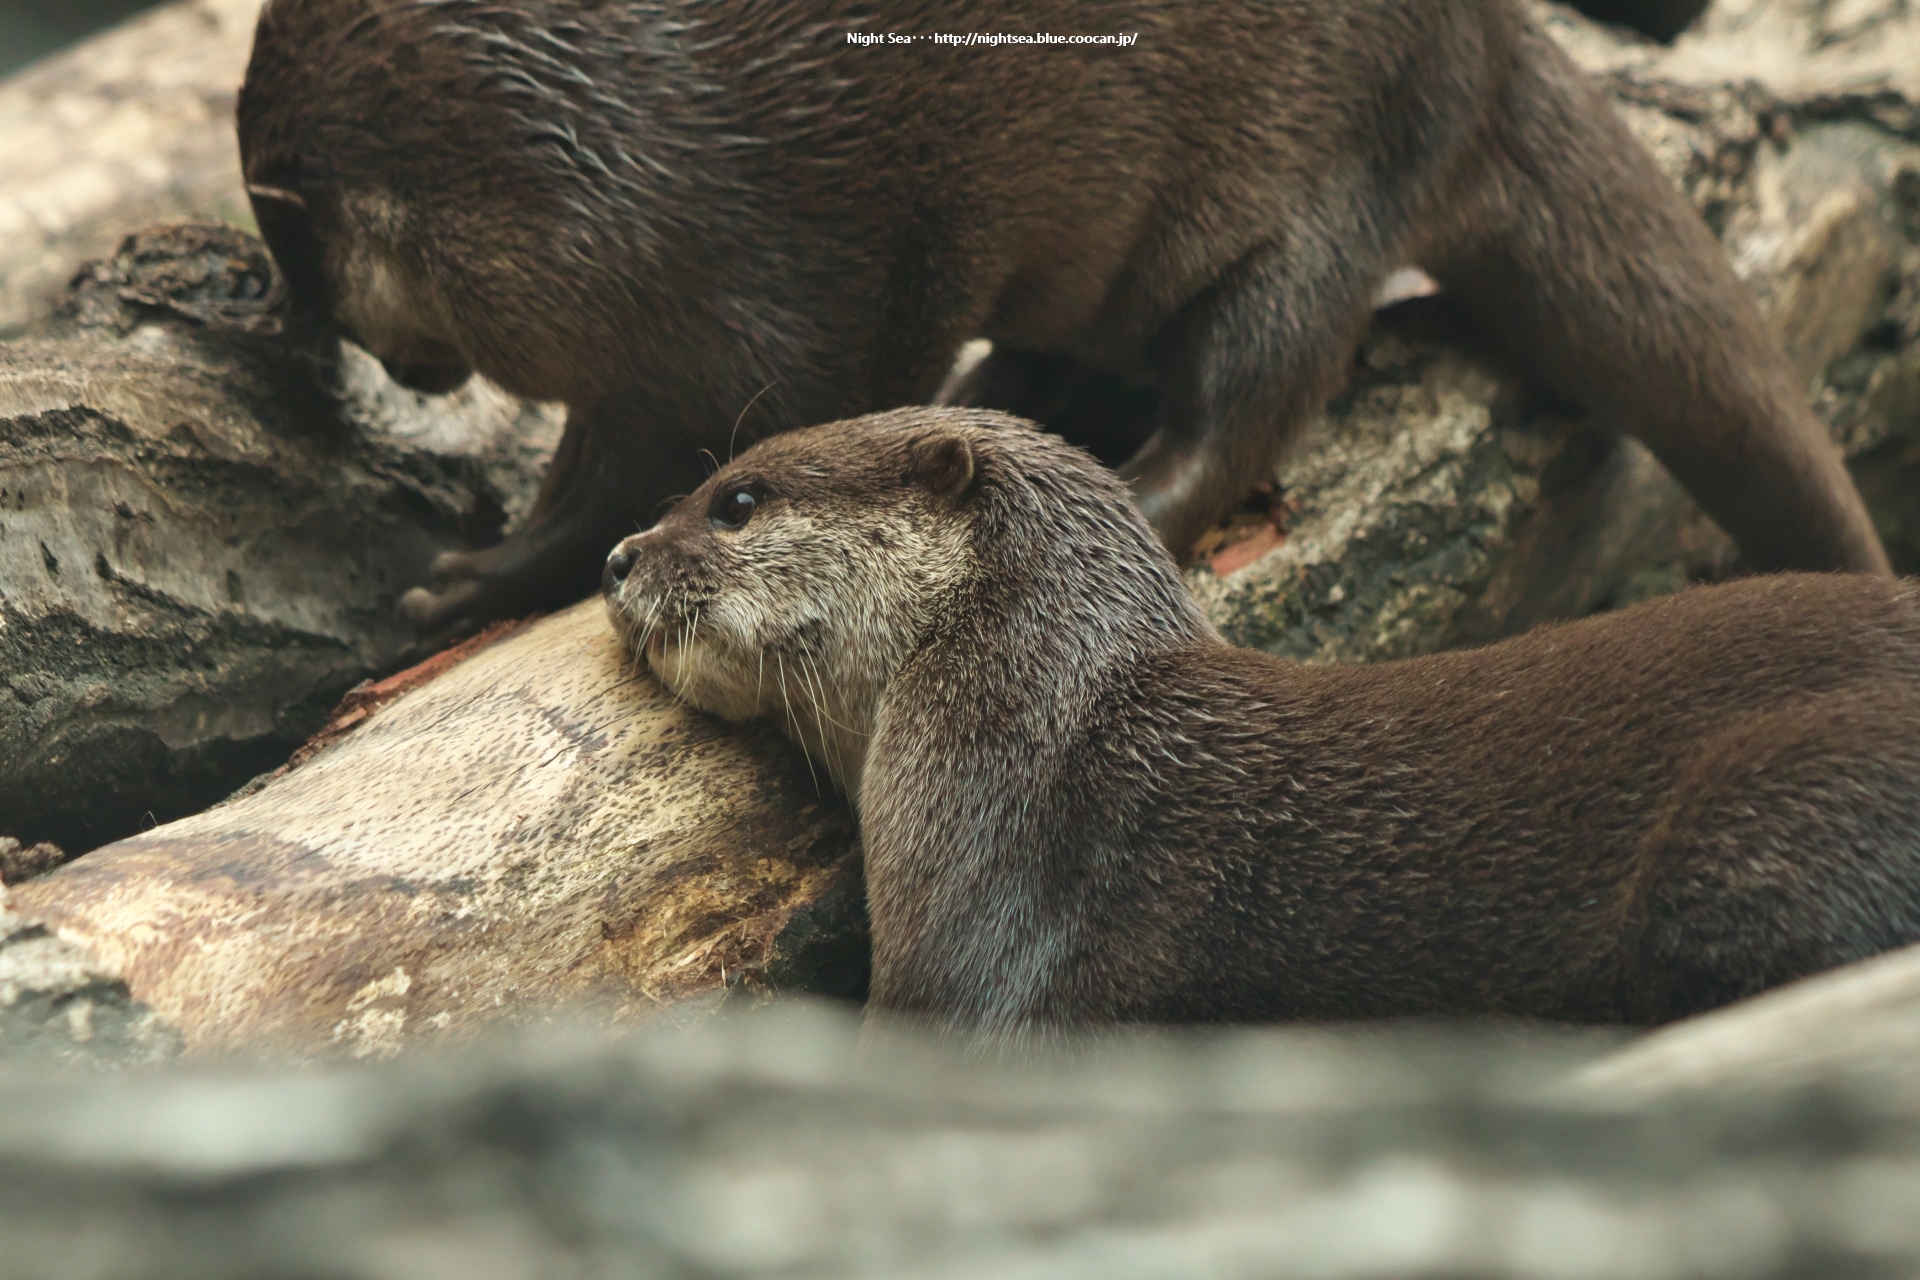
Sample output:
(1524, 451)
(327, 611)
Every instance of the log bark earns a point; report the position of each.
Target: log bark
(538, 827)
(133, 126)
(1857, 1024)
(200, 544)
(1438, 504)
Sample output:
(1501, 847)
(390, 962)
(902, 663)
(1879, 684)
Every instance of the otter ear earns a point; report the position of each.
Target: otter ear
(286, 224)
(942, 463)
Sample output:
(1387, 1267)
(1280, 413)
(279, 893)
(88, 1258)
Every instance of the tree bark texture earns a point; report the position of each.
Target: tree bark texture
(1860, 1023)
(540, 826)
(200, 548)
(133, 126)
(1437, 503)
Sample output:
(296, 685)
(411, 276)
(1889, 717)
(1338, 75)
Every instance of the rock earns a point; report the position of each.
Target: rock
(769, 1146)
(200, 549)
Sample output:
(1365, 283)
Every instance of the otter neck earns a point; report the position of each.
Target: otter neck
(980, 730)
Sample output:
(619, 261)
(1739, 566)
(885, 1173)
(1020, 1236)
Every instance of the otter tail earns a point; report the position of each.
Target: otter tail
(1577, 251)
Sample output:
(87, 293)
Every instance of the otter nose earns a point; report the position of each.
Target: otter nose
(619, 565)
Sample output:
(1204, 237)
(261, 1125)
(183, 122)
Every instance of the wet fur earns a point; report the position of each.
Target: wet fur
(1080, 805)
(658, 211)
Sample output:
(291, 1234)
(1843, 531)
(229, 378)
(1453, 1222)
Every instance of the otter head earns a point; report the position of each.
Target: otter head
(345, 261)
(434, 182)
(796, 581)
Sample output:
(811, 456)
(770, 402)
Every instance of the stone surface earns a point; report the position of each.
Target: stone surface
(772, 1147)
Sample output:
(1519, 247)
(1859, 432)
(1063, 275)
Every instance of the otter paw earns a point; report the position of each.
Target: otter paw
(457, 566)
(445, 614)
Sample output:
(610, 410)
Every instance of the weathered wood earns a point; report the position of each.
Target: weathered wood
(1437, 503)
(200, 545)
(539, 827)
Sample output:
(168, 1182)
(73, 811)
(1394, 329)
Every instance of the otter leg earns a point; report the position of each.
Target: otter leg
(1791, 846)
(1579, 255)
(1104, 413)
(607, 480)
(1245, 365)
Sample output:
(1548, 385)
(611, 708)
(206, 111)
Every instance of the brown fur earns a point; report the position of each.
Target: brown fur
(658, 212)
(1079, 804)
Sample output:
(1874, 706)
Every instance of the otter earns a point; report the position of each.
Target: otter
(1080, 805)
(690, 220)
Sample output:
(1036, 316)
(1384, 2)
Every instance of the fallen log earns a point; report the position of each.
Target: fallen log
(130, 127)
(770, 1147)
(200, 544)
(537, 827)
(1437, 503)
(1858, 1024)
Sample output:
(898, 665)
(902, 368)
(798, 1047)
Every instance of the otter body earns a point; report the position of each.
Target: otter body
(1080, 805)
(688, 220)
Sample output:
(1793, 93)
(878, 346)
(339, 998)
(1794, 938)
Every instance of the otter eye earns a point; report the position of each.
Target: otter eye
(733, 507)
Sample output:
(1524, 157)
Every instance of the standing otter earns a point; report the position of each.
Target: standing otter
(1079, 804)
(665, 213)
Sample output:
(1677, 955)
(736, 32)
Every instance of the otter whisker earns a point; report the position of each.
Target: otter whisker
(794, 722)
(816, 699)
(820, 711)
(735, 435)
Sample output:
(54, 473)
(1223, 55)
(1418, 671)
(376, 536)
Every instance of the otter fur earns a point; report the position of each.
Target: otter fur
(1080, 805)
(691, 218)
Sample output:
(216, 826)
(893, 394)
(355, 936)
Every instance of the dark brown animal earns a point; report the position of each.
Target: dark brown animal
(1080, 805)
(664, 213)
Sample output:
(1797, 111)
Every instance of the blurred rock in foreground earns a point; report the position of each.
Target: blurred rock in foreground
(769, 1147)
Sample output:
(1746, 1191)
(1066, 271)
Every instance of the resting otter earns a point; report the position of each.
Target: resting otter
(659, 212)
(1079, 804)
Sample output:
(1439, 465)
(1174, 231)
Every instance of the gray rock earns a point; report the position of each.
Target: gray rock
(771, 1146)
